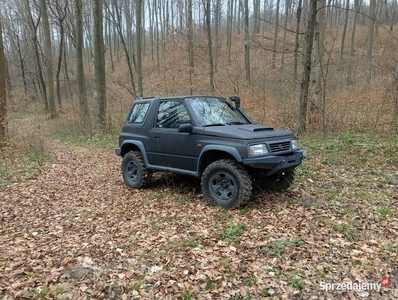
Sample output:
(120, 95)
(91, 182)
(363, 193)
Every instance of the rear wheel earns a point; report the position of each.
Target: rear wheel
(226, 183)
(134, 171)
(279, 182)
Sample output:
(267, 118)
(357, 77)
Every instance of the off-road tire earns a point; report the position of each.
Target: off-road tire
(134, 171)
(279, 183)
(226, 183)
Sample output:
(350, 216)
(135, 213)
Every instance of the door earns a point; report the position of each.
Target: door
(168, 147)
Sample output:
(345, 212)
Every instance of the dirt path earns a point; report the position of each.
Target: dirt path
(76, 232)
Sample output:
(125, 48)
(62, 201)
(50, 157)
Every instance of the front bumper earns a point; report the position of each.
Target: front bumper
(118, 151)
(273, 164)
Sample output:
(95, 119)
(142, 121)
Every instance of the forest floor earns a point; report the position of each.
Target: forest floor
(70, 228)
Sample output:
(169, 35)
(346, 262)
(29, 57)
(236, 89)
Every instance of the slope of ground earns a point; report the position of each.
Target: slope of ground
(76, 232)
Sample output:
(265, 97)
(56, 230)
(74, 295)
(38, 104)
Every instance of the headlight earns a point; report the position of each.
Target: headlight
(295, 145)
(257, 150)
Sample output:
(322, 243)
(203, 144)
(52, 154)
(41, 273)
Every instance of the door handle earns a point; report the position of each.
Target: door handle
(157, 137)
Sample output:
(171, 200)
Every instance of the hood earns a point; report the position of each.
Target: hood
(247, 131)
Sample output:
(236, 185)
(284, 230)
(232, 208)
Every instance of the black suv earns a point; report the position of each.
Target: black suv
(206, 137)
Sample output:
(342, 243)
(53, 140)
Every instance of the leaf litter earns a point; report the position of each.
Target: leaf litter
(76, 231)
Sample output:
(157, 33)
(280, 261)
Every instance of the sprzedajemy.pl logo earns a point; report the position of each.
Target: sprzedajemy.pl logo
(355, 286)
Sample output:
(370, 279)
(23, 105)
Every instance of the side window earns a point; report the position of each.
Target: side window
(172, 114)
(139, 112)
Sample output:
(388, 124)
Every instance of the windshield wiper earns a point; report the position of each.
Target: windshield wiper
(235, 123)
(216, 124)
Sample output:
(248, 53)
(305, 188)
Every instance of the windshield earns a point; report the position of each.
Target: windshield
(215, 112)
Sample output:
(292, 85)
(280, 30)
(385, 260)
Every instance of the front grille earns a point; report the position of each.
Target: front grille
(278, 147)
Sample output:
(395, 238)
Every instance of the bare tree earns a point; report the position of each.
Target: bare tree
(247, 41)
(347, 7)
(3, 93)
(317, 69)
(138, 26)
(48, 61)
(59, 13)
(190, 45)
(99, 63)
(354, 28)
(118, 23)
(80, 77)
(369, 51)
(276, 33)
(297, 39)
(305, 81)
(209, 44)
(287, 4)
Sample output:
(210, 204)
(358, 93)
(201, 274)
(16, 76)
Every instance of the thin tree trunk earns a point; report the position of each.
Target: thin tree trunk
(394, 4)
(347, 8)
(354, 28)
(99, 63)
(229, 27)
(247, 41)
(190, 47)
(287, 4)
(139, 49)
(317, 70)
(209, 45)
(33, 26)
(305, 81)
(21, 62)
(3, 94)
(275, 34)
(57, 74)
(369, 51)
(80, 77)
(217, 30)
(9, 86)
(49, 58)
(394, 124)
(297, 40)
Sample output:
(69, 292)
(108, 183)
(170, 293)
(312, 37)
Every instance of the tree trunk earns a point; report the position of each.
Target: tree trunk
(217, 14)
(139, 49)
(118, 24)
(275, 33)
(287, 4)
(48, 59)
(57, 74)
(229, 27)
(347, 8)
(190, 46)
(354, 28)
(394, 124)
(394, 4)
(317, 70)
(247, 42)
(3, 94)
(369, 51)
(99, 63)
(297, 40)
(305, 81)
(80, 77)
(33, 26)
(209, 45)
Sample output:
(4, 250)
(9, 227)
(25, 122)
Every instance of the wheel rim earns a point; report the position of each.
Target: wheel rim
(132, 171)
(223, 185)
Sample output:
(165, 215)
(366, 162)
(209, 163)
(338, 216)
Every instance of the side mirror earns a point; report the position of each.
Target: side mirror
(185, 128)
(235, 99)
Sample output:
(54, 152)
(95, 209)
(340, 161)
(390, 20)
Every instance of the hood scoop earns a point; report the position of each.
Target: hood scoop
(257, 129)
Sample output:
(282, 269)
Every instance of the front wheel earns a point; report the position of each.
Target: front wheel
(226, 183)
(134, 171)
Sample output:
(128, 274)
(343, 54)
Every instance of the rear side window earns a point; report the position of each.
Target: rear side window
(139, 112)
